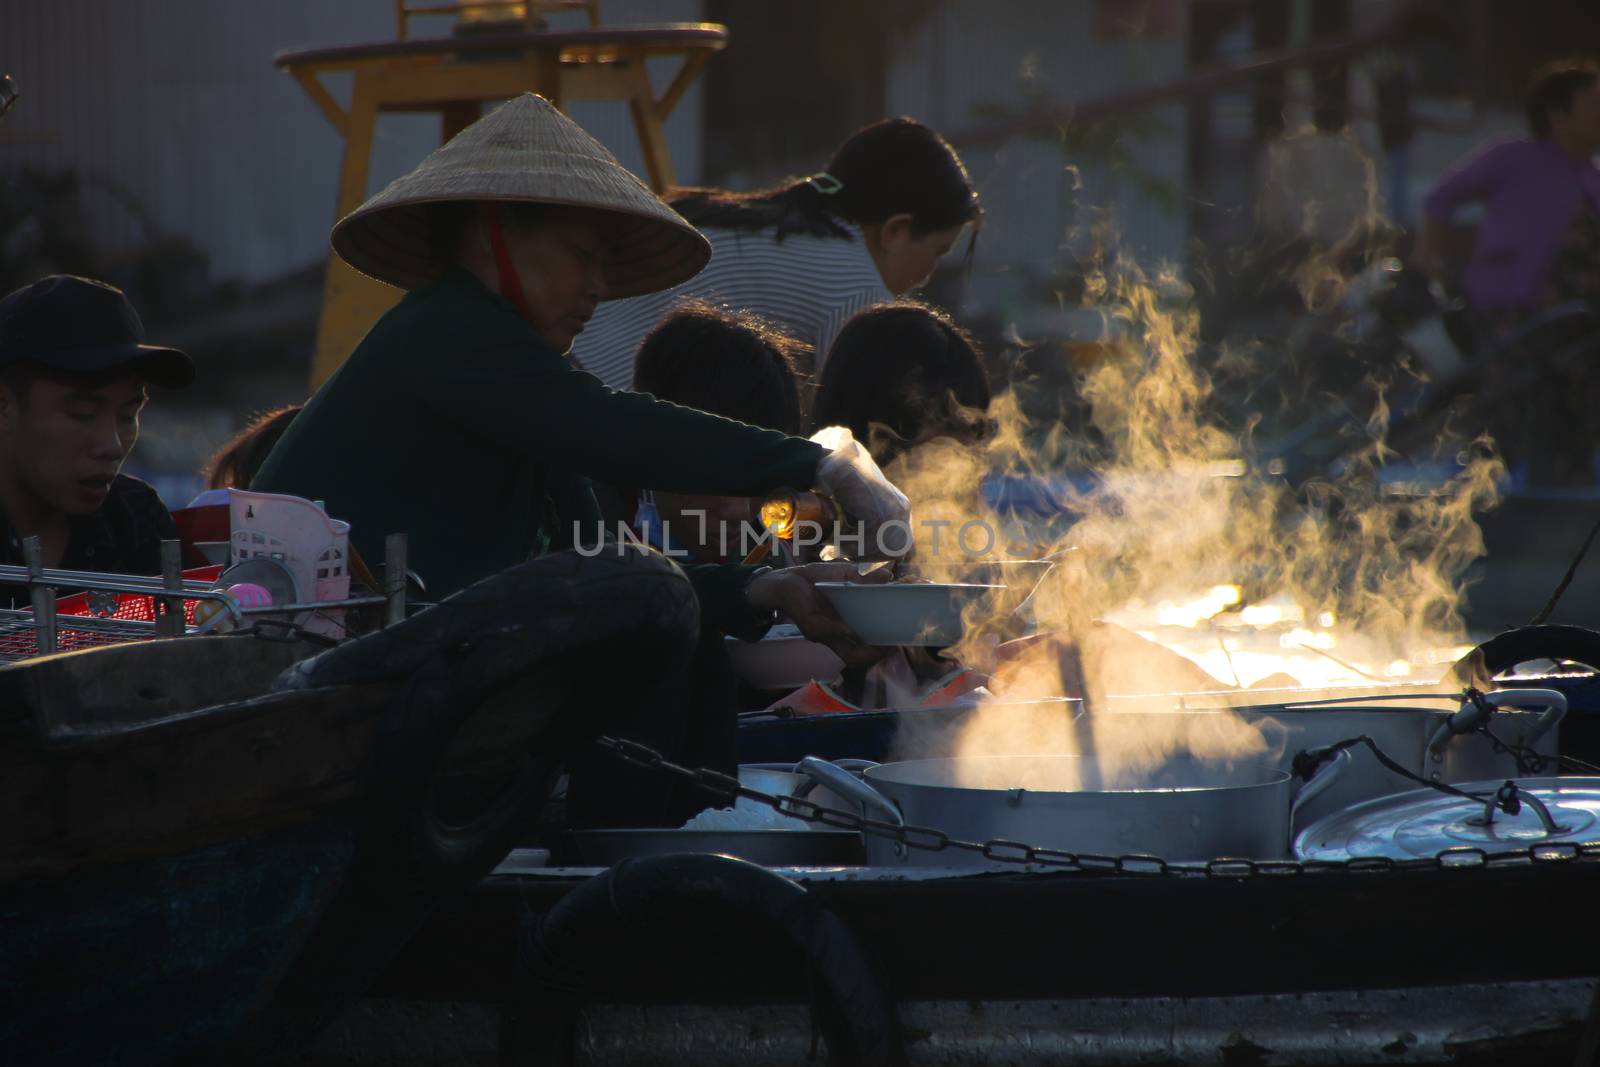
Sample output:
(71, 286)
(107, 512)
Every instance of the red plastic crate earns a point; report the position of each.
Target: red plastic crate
(136, 607)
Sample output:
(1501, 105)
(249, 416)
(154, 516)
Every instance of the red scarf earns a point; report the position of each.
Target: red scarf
(510, 284)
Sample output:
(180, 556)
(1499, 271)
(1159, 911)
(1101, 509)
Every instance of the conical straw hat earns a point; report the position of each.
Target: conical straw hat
(523, 151)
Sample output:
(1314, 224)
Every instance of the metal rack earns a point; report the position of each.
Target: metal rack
(42, 630)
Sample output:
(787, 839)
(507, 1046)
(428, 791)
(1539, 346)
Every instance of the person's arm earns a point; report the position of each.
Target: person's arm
(1428, 253)
(528, 400)
(1468, 181)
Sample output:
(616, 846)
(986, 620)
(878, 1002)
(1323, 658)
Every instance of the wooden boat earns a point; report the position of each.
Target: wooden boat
(1349, 967)
(209, 849)
(711, 960)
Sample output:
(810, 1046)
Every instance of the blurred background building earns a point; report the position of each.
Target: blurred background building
(156, 145)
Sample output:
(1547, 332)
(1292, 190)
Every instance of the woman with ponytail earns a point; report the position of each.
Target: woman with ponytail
(809, 254)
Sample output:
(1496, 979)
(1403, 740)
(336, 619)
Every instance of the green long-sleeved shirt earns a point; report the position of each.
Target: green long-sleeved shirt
(454, 423)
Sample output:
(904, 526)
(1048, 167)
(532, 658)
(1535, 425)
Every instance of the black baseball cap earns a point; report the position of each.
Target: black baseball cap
(82, 326)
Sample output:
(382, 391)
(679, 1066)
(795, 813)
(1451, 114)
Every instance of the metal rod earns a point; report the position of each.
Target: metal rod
(1201, 82)
(1367, 699)
(394, 578)
(170, 609)
(42, 596)
(100, 581)
(320, 605)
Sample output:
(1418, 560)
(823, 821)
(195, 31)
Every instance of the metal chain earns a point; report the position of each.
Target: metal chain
(1003, 851)
(286, 632)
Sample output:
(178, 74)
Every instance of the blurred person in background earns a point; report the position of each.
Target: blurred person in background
(903, 374)
(727, 363)
(1533, 280)
(1539, 242)
(808, 254)
(74, 377)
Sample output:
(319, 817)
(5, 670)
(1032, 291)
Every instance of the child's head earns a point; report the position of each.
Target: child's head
(900, 374)
(730, 364)
(726, 362)
(234, 465)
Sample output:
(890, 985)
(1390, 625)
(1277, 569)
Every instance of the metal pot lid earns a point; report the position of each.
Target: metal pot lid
(1425, 822)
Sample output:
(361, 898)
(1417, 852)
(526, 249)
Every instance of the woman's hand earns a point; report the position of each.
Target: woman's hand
(849, 475)
(793, 593)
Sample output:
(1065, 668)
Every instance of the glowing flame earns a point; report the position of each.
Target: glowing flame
(1216, 600)
(1274, 613)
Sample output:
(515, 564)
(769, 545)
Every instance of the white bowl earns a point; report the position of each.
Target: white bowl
(905, 613)
(1020, 577)
(782, 660)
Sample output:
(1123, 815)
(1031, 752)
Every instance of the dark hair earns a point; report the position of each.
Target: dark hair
(891, 167)
(1554, 86)
(729, 363)
(902, 373)
(234, 465)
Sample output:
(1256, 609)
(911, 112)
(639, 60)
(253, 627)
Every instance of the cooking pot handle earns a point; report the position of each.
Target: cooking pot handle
(1320, 781)
(1471, 716)
(1554, 701)
(850, 787)
(804, 789)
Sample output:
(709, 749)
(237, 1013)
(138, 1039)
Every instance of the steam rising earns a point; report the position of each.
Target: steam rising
(1183, 528)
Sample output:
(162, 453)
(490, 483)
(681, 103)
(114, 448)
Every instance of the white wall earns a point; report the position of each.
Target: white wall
(177, 103)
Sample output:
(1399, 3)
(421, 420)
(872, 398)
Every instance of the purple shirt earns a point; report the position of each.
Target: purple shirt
(1531, 193)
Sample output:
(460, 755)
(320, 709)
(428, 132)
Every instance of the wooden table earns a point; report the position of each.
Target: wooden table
(454, 76)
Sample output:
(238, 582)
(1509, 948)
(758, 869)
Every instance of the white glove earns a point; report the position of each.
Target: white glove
(849, 475)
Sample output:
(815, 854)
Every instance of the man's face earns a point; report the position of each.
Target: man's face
(559, 263)
(65, 441)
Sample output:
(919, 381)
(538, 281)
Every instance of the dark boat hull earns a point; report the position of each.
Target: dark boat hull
(210, 885)
(170, 872)
(1464, 965)
(151, 960)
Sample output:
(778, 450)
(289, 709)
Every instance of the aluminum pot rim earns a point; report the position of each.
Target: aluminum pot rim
(884, 774)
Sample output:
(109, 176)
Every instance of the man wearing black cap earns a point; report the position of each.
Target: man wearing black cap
(73, 372)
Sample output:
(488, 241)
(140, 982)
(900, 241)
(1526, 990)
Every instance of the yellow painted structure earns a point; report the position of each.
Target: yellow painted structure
(454, 77)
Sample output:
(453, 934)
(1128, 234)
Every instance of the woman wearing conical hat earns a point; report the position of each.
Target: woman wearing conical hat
(459, 420)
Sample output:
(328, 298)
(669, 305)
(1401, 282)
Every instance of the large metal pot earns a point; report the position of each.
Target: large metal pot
(1184, 809)
(1419, 736)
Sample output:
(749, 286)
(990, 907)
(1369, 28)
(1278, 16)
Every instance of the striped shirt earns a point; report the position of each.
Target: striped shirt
(808, 286)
